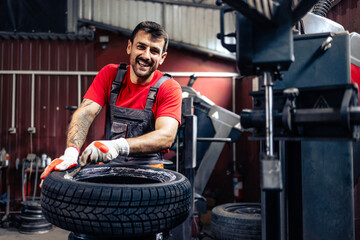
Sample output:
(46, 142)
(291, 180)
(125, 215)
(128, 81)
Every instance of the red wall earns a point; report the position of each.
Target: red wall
(52, 94)
(347, 13)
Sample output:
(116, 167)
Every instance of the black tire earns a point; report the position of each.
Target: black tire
(236, 221)
(117, 201)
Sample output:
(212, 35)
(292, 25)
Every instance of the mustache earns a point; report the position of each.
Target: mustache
(147, 61)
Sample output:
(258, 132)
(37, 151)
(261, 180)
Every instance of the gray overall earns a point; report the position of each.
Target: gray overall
(127, 123)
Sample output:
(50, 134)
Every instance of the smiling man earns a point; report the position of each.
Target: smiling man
(143, 107)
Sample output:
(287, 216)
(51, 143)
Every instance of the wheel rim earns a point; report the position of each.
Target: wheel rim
(244, 209)
(123, 175)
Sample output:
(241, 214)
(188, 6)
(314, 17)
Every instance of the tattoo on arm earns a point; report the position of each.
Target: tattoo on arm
(81, 122)
(97, 112)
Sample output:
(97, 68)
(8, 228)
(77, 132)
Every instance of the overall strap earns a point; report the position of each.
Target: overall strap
(114, 92)
(116, 84)
(153, 91)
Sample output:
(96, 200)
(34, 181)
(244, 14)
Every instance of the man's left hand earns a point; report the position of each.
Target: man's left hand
(104, 151)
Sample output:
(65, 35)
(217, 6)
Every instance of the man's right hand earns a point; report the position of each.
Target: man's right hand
(66, 161)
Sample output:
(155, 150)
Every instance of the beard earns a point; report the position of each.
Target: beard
(143, 68)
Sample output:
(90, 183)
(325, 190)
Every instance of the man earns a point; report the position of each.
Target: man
(143, 107)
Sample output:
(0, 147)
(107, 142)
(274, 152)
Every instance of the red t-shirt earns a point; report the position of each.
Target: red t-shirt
(168, 98)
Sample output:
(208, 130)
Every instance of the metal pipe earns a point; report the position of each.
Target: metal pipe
(81, 9)
(32, 129)
(92, 10)
(12, 129)
(13, 102)
(23, 181)
(32, 99)
(7, 200)
(92, 73)
(79, 89)
(2, 212)
(29, 72)
(268, 84)
(213, 139)
(182, 3)
(163, 14)
(234, 110)
(233, 92)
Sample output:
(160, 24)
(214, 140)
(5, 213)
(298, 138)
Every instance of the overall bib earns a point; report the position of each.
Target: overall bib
(127, 123)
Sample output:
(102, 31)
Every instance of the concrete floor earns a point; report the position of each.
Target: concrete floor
(13, 233)
(55, 234)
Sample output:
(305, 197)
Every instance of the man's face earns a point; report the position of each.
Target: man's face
(145, 54)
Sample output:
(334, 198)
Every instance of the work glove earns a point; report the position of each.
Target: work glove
(104, 151)
(66, 161)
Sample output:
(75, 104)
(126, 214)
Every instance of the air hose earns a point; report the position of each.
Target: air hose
(322, 7)
(37, 162)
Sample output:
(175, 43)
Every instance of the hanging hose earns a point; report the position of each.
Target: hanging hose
(36, 177)
(22, 180)
(322, 7)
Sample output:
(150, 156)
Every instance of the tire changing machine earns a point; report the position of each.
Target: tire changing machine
(307, 123)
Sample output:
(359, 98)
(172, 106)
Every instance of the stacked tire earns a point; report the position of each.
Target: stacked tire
(32, 219)
(117, 201)
(236, 221)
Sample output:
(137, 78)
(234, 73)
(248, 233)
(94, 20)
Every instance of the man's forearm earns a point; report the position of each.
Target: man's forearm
(80, 123)
(155, 141)
(78, 130)
(150, 143)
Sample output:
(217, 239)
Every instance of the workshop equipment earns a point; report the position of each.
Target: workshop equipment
(216, 126)
(324, 112)
(307, 185)
(4, 163)
(315, 125)
(4, 158)
(189, 130)
(30, 165)
(264, 47)
(32, 219)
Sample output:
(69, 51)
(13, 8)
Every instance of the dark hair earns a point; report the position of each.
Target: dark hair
(156, 31)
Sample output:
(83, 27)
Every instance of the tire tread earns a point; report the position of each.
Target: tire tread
(115, 210)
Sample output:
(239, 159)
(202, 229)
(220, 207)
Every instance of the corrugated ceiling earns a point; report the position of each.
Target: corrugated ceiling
(188, 23)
